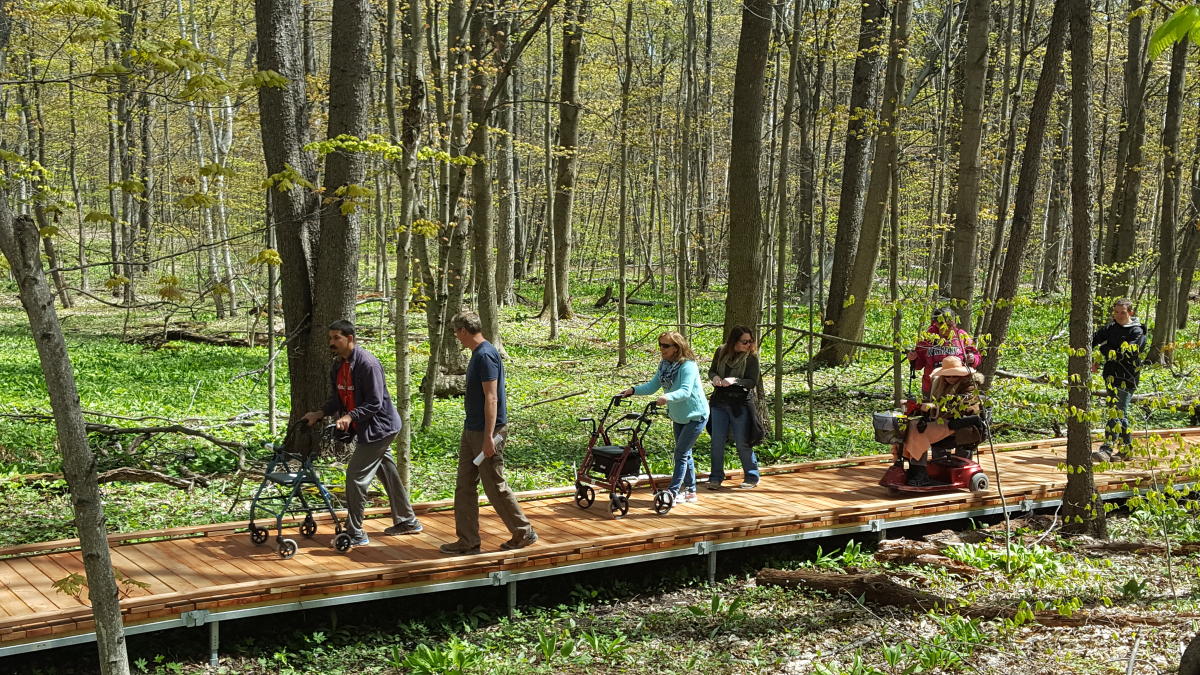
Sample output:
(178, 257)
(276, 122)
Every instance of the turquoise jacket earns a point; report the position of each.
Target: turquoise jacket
(682, 388)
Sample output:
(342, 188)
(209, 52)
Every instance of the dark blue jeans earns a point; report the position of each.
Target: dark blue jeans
(724, 425)
(1116, 430)
(684, 476)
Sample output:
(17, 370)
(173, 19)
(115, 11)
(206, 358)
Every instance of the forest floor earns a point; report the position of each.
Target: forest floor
(662, 620)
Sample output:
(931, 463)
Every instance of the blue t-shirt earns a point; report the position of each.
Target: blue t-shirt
(484, 366)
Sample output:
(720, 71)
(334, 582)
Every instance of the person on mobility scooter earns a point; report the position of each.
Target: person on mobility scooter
(950, 419)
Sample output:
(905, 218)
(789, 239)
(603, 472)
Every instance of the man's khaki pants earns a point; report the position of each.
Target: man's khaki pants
(491, 473)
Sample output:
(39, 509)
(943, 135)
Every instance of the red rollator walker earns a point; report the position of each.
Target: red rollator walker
(612, 467)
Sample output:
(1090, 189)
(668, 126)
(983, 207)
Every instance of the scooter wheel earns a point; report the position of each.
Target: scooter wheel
(663, 501)
(979, 483)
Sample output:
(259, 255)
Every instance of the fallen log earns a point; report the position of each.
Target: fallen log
(1144, 547)
(881, 589)
(908, 552)
(159, 338)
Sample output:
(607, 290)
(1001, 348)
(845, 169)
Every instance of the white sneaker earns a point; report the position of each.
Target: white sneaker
(748, 485)
(689, 498)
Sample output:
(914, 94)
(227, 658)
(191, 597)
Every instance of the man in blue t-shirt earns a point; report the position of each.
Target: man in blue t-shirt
(481, 447)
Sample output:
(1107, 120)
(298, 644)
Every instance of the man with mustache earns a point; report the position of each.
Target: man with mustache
(365, 413)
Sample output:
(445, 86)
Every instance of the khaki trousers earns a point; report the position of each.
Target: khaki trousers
(491, 474)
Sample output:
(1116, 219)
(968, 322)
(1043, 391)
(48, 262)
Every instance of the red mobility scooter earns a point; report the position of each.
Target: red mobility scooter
(952, 464)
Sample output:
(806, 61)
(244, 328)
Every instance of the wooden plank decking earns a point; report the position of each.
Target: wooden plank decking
(216, 567)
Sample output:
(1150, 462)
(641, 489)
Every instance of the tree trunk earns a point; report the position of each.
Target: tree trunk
(483, 256)
(1056, 209)
(970, 170)
(284, 131)
(745, 206)
(506, 230)
(626, 78)
(1189, 247)
(409, 135)
(1119, 243)
(19, 240)
(862, 275)
(568, 161)
(1027, 180)
(1163, 333)
(1083, 510)
(864, 99)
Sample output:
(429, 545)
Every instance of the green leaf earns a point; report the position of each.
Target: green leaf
(1185, 21)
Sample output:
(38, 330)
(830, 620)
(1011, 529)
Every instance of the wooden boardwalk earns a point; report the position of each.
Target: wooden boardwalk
(218, 569)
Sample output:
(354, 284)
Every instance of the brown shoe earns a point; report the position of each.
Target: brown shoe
(458, 548)
(519, 542)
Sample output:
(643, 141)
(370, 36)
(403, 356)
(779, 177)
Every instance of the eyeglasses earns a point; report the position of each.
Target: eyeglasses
(746, 341)
(665, 345)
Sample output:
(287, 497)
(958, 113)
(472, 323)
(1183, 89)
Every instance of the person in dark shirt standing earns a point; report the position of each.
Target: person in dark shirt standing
(481, 446)
(365, 410)
(1121, 344)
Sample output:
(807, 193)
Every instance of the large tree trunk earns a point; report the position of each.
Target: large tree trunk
(970, 170)
(1119, 244)
(742, 298)
(19, 240)
(862, 275)
(1027, 182)
(336, 276)
(409, 135)
(483, 256)
(568, 161)
(864, 98)
(1083, 510)
(1163, 333)
(284, 131)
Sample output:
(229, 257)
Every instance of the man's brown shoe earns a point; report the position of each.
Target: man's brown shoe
(458, 548)
(519, 542)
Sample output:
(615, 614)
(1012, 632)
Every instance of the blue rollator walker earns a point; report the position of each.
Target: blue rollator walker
(291, 473)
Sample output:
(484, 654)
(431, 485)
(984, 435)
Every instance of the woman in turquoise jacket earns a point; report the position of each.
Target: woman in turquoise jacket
(683, 394)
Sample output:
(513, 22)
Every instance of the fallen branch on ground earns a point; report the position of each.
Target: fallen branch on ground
(1144, 547)
(908, 552)
(556, 398)
(881, 589)
(1009, 375)
(124, 474)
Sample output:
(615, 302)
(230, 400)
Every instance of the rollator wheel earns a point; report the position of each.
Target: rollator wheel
(309, 527)
(618, 504)
(979, 483)
(663, 501)
(585, 495)
(258, 535)
(625, 488)
(287, 548)
(342, 542)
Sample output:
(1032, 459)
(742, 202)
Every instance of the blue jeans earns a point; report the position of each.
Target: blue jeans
(684, 476)
(724, 425)
(1116, 430)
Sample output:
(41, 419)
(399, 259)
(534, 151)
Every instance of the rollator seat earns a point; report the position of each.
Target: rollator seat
(609, 451)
